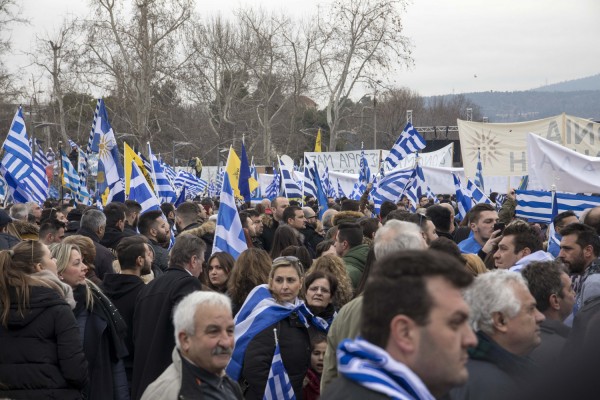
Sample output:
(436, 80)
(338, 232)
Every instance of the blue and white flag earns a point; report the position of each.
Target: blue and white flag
(254, 174)
(479, 173)
(290, 186)
(272, 190)
(181, 198)
(364, 177)
(463, 200)
(83, 194)
(70, 178)
(212, 189)
(110, 170)
(194, 185)
(229, 235)
(170, 172)
(321, 195)
(536, 206)
(408, 142)
(15, 188)
(391, 187)
(163, 187)
(2, 187)
(340, 192)
(17, 158)
(72, 144)
(477, 195)
(326, 183)
(309, 179)
(140, 191)
(278, 386)
(37, 181)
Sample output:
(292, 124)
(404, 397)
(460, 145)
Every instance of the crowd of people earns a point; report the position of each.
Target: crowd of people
(104, 304)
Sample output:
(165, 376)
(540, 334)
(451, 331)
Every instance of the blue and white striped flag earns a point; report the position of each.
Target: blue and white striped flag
(326, 183)
(535, 206)
(193, 184)
(479, 173)
(2, 187)
(37, 181)
(254, 174)
(463, 200)
(576, 202)
(391, 187)
(140, 191)
(364, 177)
(15, 188)
(229, 235)
(408, 142)
(83, 194)
(170, 172)
(17, 151)
(220, 174)
(273, 189)
(477, 195)
(70, 178)
(309, 180)
(290, 186)
(212, 189)
(278, 386)
(340, 192)
(163, 187)
(72, 144)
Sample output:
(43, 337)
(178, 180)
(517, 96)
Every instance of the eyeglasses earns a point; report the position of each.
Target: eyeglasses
(315, 289)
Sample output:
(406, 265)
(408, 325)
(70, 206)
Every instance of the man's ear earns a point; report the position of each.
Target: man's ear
(184, 341)
(553, 301)
(499, 321)
(403, 333)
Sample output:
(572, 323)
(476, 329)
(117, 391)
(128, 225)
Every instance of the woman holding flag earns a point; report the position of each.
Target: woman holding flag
(275, 306)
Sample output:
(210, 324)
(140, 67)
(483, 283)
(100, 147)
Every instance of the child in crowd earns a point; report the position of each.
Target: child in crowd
(312, 381)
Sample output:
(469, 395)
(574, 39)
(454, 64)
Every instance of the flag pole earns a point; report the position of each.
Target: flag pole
(275, 334)
(62, 177)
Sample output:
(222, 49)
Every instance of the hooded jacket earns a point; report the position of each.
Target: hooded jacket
(112, 237)
(41, 353)
(355, 260)
(206, 232)
(24, 230)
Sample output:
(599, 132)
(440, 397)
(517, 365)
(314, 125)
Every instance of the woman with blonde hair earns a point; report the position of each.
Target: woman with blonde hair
(41, 354)
(251, 269)
(101, 327)
(335, 266)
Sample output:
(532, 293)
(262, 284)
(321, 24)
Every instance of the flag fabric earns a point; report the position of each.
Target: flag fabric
(220, 175)
(318, 142)
(169, 171)
(326, 183)
(524, 182)
(308, 182)
(194, 185)
(180, 198)
(247, 182)
(476, 194)
(72, 144)
(162, 186)
(408, 142)
(391, 187)
(2, 187)
(70, 178)
(229, 234)
(290, 186)
(272, 190)
(110, 170)
(232, 168)
(321, 195)
(479, 173)
(15, 188)
(212, 189)
(129, 156)
(140, 191)
(83, 194)
(340, 192)
(37, 181)
(537, 206)
(278, 386)
(364, 177)
(463, 201)
(254, 174)
(17, 158)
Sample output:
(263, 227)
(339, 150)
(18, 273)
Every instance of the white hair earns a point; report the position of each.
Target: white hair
(490, 293)
(19, 211)
(183, 317)
(397, 235)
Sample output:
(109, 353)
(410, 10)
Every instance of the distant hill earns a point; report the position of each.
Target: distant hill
(575, 85)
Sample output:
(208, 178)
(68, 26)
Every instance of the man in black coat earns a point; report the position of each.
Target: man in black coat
(154, 226)
(115, 225)
(135, 258)
(187, 217)
(93, 225)
(153, 332)
(271, 223)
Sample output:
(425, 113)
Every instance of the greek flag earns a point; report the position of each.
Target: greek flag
(254, 174)
(162, 185)
(2, 187)
(278, 386)
(477, 195)
(37, 181)
(290, 186)
(391, 187)
(309, 180)
(110, 170)
(180, 198)
(462, 199)
(72, 143)
(17, 158)
(193, 184)
(479, 173)
(140, 191)
(341, 193)
(536, 206)
(409, 142)
(364, 177)
(326, 183)
(169, 171)
(70, 178)
(16, 189)
(229, 235)
(220, 174)
(272, 190)
(83, 194)
(212, 189)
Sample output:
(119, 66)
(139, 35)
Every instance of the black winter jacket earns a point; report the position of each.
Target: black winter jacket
(112, 237)
(7, 241)
(104, 257)
(41, 356)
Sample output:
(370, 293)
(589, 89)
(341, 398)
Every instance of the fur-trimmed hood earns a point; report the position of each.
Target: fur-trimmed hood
(207, 228)
(24, 230)
(346, 216)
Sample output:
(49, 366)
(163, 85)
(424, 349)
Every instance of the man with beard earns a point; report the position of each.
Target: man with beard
(257, 228)
(203, 345)
(154, 226)
(133, 212)
(483, 238)
(579, 250)
(135, 257)
(310, 234)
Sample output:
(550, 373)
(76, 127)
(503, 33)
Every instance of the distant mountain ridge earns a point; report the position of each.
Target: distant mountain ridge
(574, 85)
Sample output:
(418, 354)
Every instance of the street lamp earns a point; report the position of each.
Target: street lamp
(177, 145)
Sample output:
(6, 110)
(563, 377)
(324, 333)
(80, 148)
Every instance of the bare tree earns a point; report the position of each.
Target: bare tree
(9, 14)
(358, 40)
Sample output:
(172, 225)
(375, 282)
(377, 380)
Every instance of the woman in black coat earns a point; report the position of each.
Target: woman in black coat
(41, 356)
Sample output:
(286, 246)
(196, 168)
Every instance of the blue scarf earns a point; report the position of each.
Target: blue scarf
(372, 367)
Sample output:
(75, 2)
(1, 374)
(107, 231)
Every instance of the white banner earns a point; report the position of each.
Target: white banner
(503, 147)
(551, 163)
(441, 158)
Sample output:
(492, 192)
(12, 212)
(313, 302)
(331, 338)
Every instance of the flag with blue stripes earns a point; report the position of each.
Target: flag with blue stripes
(37, 181)
(272, 190)
(16, 189)
(326, 183)
(72, 144)
(83, 194)
(162, 186)
(169, 172)
(229, 234)
(479, 173)
(194, 185)
(418, 188)
(364, 177)
(391, 187)
(340, 192)
(321, 195)
(463, 200)
(254, 174)
(212, 189)
(220, 175)
(17, 151)
(524, 182)
(477, 195)
(110, 170)
(70, 178)
(140, 191)
(409, 141)
(278, 386)
(309, 180)
(181, 198)
(290, 186)
(2, 187)
(536, 206)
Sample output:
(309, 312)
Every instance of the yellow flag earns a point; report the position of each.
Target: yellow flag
(233, 170)
(129, 156)
(318, 142)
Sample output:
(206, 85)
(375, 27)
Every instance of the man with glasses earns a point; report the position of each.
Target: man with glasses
(310, 230)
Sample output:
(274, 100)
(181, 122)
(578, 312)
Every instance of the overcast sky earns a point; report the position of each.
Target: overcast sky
(458, 45)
